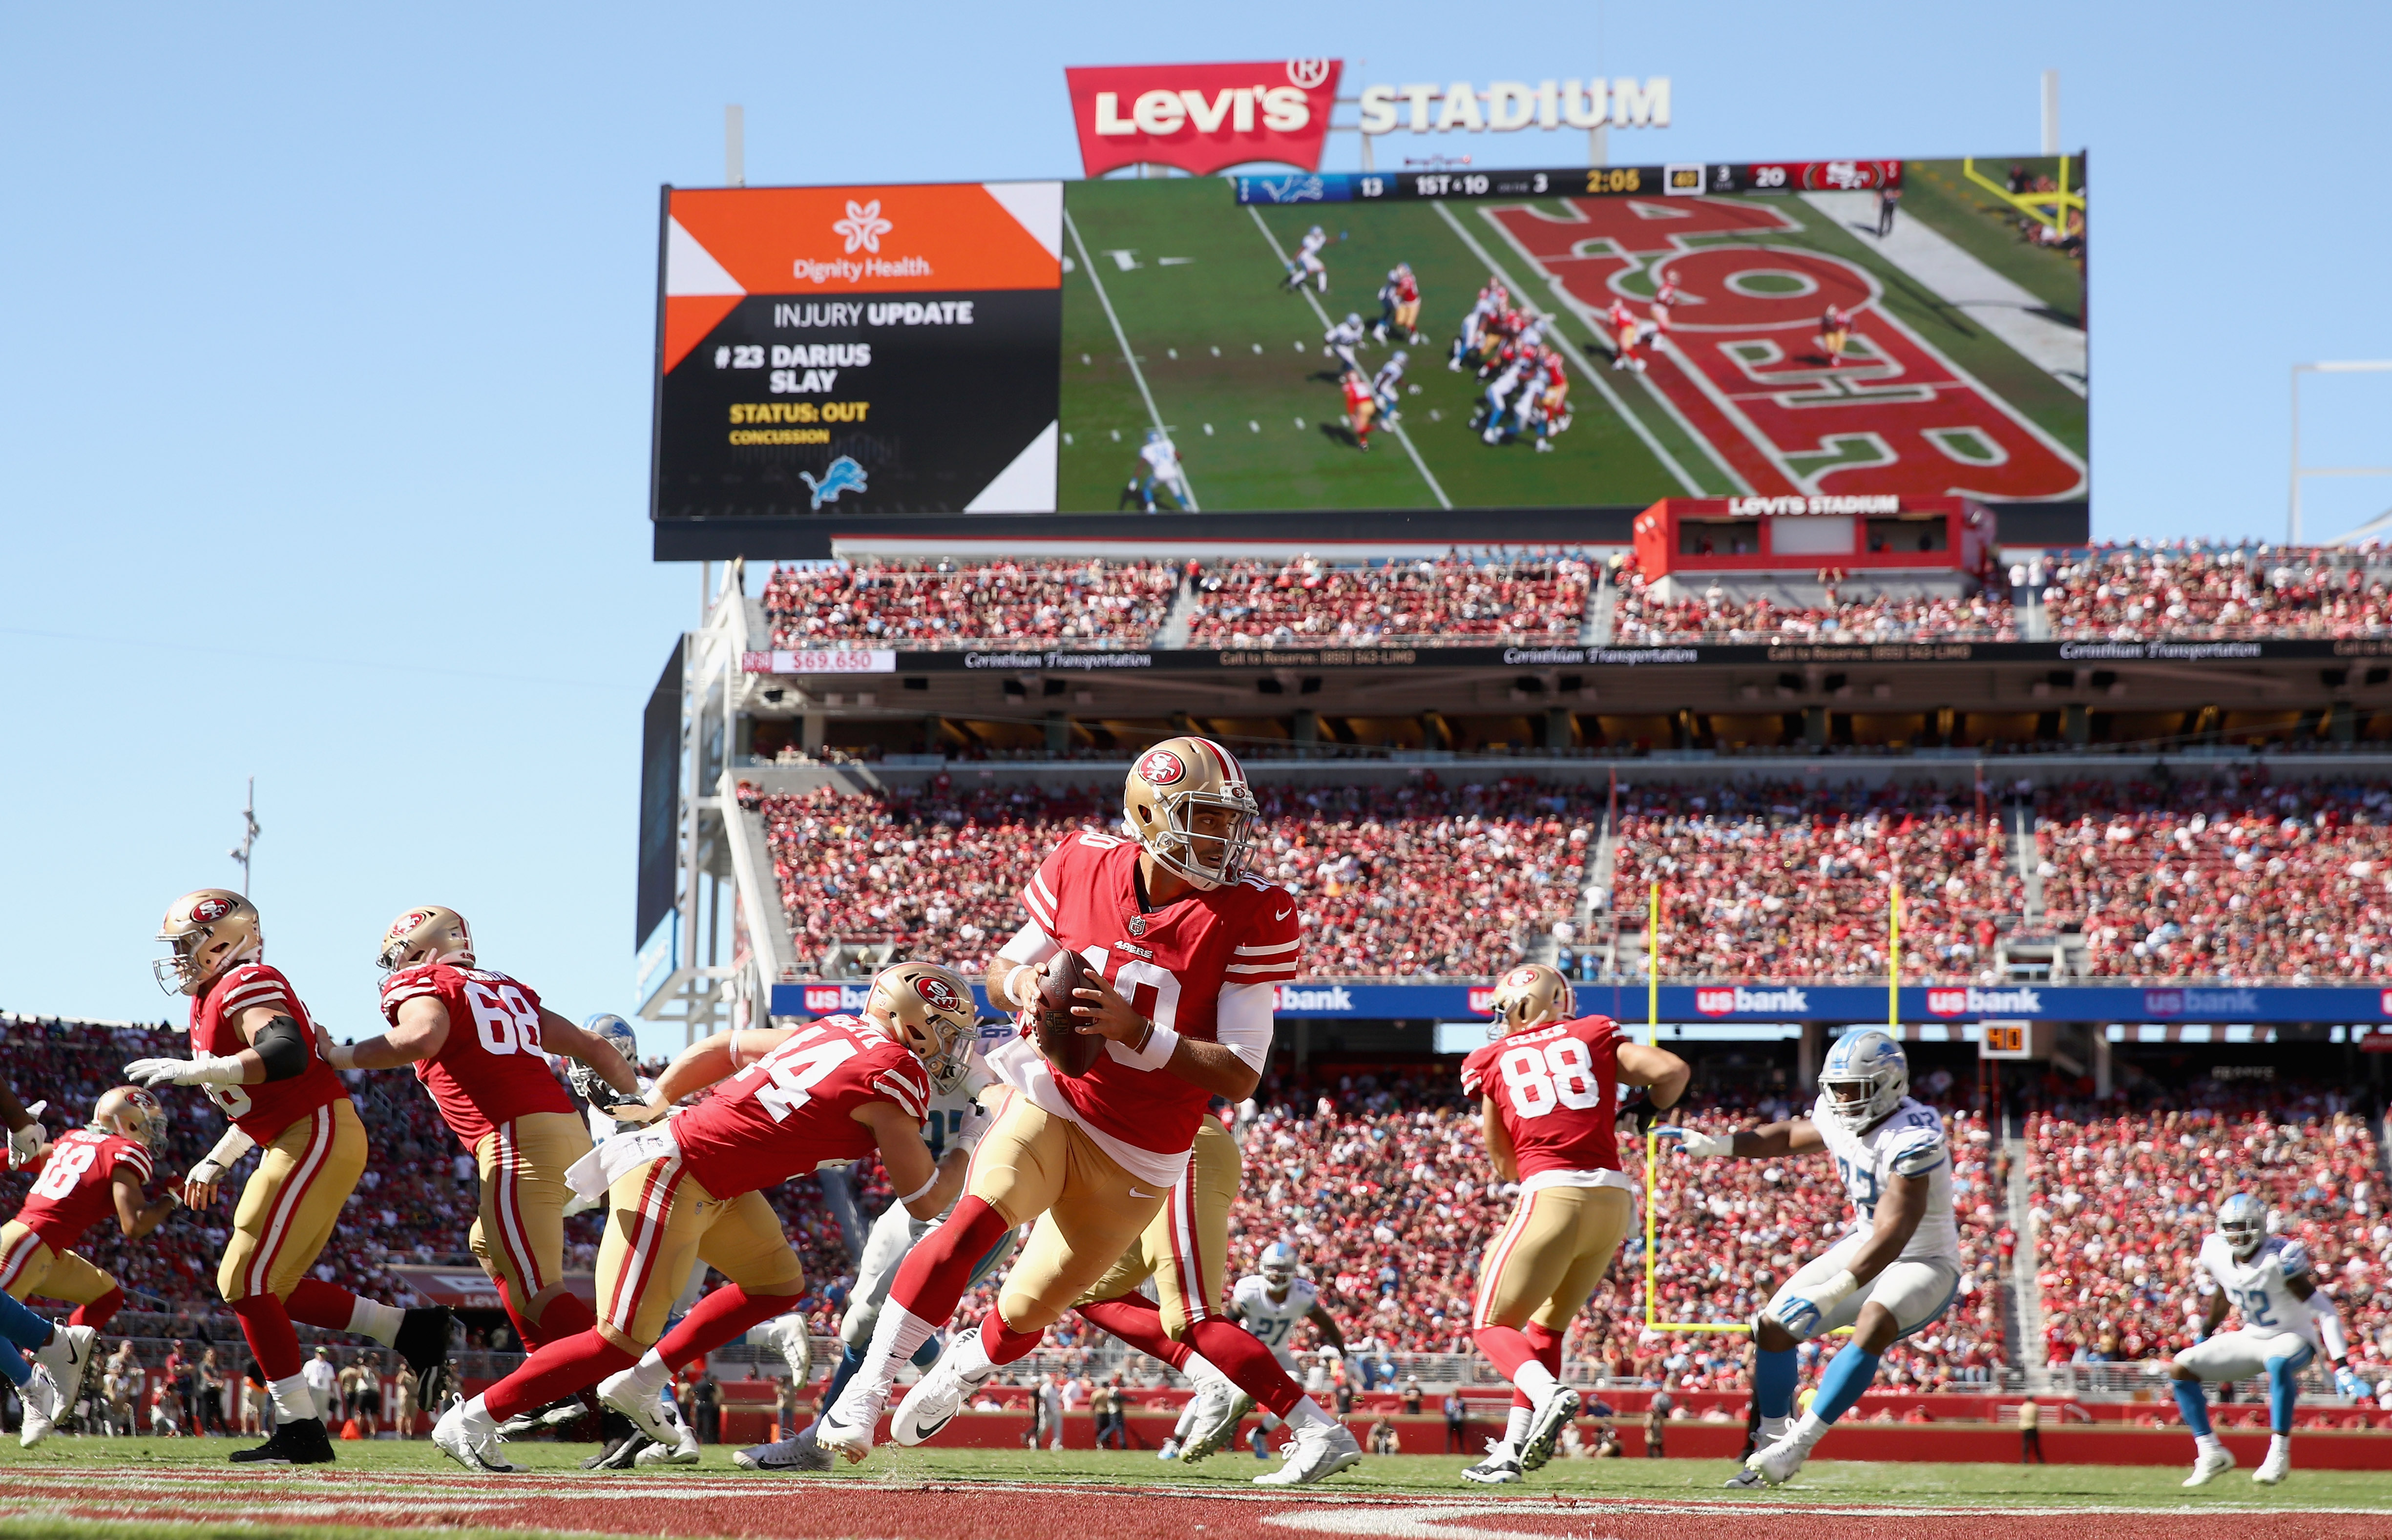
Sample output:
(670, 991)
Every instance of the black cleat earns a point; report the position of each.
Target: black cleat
(556, 1413)
(619, 1457)
(299, 1442)
(422, 1340)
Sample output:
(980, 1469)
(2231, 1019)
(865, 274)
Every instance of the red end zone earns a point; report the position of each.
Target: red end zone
(800, 1509)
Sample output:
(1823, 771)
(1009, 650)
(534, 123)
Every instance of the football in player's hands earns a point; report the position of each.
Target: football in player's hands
(1070, 1050)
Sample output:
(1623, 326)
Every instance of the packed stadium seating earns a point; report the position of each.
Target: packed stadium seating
(2120, 1204)
(1507, 598)
(2139, 592)
(1779, 880)
(949, 604)
(1420, 880)
(1715, 616)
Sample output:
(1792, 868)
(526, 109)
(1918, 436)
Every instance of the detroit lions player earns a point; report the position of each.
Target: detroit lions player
(952, 1130)
(1271, 1302)
(1307, 262)
(1895, 1270)
(2266, 1280)
(1162, 459)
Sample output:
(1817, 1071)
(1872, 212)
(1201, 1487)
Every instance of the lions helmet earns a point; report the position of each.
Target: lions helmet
(1534, 994)
(1353, 318)
(1279, 1264)
(1865, 1079)
(134, 1113)
(1399, 358)
(2242, 1220)
(1315, 230)
(616, 1033)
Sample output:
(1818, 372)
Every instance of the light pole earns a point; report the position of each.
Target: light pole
(2300, 471)
(250, 830)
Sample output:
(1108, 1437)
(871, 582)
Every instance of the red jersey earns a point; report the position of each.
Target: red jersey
(794, 1108)
(1407, 289)
(491, 1070)
(1358, 394)
(262, 1112)
(1556, 1090)
(77, 1186)
(1171, 964)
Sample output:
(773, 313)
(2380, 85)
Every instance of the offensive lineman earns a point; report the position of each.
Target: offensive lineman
(258, 1056)
(692, 1183)
(479, 1041)
(1400, 304)
(1893, 1274)
(1198, 945)
(95, 1172)
(1547, 1084)
(2267, 1280)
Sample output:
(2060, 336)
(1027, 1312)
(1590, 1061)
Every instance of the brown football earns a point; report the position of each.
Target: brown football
(1070, 1050)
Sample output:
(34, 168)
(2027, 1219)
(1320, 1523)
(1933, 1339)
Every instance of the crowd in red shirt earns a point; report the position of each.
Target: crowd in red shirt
(1509, 597)
(948, 603)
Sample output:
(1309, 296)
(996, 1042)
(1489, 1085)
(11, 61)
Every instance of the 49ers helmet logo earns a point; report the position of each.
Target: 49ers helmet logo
(936, 991)
(1161, 768)
(403, 924)
(207, 911)
(1520, 978)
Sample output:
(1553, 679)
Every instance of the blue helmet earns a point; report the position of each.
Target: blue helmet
(617, 1032)
(2242, 1220)
(1865, 1079)
(1280, 1263)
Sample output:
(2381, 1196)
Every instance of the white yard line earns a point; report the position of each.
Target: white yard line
(1135, 373)
(1402, 437)
(1991, 301)
(1602, 386)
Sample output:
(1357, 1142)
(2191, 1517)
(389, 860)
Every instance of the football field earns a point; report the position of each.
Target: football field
(143, 1487)
(1175, 316)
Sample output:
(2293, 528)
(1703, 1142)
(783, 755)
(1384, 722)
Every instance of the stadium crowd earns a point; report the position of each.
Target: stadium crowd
(941, 604)
(2128, 593)
(1510, 597)
(1642, 619)
(2120, 1203)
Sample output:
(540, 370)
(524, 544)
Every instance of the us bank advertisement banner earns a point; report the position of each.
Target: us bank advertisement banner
(864, 349)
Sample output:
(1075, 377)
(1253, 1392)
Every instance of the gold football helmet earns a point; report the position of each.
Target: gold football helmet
(1534, 994)
(930, 1009)
(133, 1112)
(430, 933)
(1168, 786)
(210, 930)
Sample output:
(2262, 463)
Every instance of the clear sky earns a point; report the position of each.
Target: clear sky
(329, 330)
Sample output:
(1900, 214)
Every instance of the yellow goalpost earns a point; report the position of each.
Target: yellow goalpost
(1652, 1039)
(2048, 209)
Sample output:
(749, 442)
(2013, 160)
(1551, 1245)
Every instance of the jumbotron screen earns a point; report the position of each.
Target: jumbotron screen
(1376, 341)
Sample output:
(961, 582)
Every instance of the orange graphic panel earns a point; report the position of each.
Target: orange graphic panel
(836, 241)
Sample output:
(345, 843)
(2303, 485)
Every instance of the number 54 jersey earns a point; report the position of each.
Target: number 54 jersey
(1910, 1142)
(1556, 1090)
(491, 1070)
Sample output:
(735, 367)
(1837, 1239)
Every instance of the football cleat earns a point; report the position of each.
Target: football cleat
(556, 1413)
(2275, 1468)
(422, 1340)
(1745, 1479)
(43, 1407)
(654, 1416)
(941, 1393)
(1545, 1429)
(1777, 1464)
(464, 1436)
(1315, 1455)
(1220, 1406)
(302, 1441)
(851, 1443)
(1498, 1467)
(68, 1354)
(786, 1335)
(2209, 1465)
(619, 1455)
(797, 1454)
(682, 1451)
(1170, 1450)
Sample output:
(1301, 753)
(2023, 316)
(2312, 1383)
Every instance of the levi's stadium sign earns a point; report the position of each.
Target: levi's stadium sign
(1203, 118)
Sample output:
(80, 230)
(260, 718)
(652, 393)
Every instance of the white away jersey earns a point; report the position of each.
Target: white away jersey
(1909, 1143)
(2260, 1289)
(949, 1109)
(1162, 456)
(1272, 1320)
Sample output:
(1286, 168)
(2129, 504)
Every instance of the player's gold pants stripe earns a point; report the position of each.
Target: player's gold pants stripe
(1184, 1248)
(292, 1202)
(1551, 1255)
(519, 1234)
(28, 1267)
(1034, 1165)
(660, 1217)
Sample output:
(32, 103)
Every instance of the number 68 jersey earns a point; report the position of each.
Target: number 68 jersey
(1909, 1142)
(492, 1069)
(1556, 1090)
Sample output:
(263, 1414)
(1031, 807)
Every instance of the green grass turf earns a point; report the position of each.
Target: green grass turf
(1837, 1481)
(1981, 224)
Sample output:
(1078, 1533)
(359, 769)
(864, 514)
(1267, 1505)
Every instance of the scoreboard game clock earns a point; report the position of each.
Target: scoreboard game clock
(1686, 180)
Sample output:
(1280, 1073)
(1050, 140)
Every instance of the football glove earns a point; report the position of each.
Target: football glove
(24, 1144)
(206, 1070)
(1801, 1313)
(2347, 1381)
(1703, 1146)
(594, 1089)
(976, 1123)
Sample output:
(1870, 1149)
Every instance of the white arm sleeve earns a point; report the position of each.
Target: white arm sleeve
(1029, 945)
(2329, 1324)
(1243, 1016)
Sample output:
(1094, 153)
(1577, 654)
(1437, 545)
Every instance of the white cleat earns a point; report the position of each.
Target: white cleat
(845, 1440)
(940, 1394)
(1545, 1429)
(1315, 1455)
(1777, 1464)
(786, 1335)
(2209, 1465)
(1499, 1468)
(2274, 1468)
(1220, 1406)
(43, 1404)
(683, 1452)
(653, 1414)
(70, 1353)
(797, 1454)
(471, 1441)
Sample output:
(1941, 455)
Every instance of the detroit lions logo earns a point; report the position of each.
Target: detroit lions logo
(844, 475)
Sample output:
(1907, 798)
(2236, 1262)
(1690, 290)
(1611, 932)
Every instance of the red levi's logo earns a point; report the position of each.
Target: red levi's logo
(1203, 118)
(1715, 1002)
(935, 990)
(1162, 768)
(207, 911)
(1947, 1001)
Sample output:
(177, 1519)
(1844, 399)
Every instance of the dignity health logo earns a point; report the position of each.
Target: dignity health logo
(862, 227)
(862, 231)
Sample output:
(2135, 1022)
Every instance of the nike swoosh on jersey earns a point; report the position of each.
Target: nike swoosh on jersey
(1135, 1193)
(1282, 914)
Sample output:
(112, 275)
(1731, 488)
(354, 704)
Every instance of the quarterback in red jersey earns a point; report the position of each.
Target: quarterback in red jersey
(93, 1173)
(791, 1100)
(1185, 950)
(479, 1041)
(257, 1056)
(1548, 1095)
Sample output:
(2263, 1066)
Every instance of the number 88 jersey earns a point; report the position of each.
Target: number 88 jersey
(1556, 1090)
(491, 1070)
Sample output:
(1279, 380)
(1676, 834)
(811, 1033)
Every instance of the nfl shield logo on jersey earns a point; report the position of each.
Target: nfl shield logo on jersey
(1137, 925)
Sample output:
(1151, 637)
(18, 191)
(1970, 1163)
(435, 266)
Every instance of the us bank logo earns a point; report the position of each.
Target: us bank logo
(832, 999)
(1721, 999)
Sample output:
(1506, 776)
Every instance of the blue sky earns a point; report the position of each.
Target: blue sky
(326, 395)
